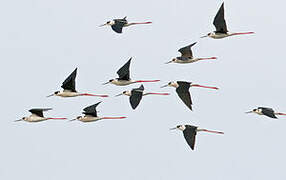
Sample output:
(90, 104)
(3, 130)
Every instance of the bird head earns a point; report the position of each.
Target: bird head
(173, 60)
(110, 81)
(253, 111)
(171, 84)
(77, 118)
(22, 119)
(108, 23)
(55, 93)
(180, 127)
(208, 35)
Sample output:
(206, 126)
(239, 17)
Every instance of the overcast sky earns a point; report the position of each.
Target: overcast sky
(42, 42)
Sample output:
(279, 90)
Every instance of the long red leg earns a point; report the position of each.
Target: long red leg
(197, 85)
(210, 131)
(139, 81)
(87, 94)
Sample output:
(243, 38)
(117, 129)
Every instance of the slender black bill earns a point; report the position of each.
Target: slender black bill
(164, 86)
(18, 120)
(249, 112)
(204, 36)
(168, 62)
(173, 128)
(119, 94)
(50, 95)
(72, 119)
(102, 25)
(105, 83)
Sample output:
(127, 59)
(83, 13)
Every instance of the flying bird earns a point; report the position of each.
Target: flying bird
(136, 94)
(69, 88)
(266, 111)
(221, 28)
(124, 76)
(187, 56)
(90, 114)
(190, 133)
(118, 24)
(37, 115)
(182, 89)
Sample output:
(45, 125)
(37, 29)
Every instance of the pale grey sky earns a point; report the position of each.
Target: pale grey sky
(41, 42)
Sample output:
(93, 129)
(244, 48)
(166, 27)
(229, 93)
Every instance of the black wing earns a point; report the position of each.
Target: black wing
(119, 24)
(268, 112)
(190, 135)
(69, 83)
(123, 72)
(91, 110)
(39, 111)
(219, 21)
(186, 51)
(184, 94)
(136, 96)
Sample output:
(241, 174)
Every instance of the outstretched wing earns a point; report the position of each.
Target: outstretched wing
(268, 112)
(119, 24)
(91, 110)
(124, 72)
(39, 111)
(136, 96)
(190, 136)
(184, 94)
(186, 51)
(69, 83)
(219, 21)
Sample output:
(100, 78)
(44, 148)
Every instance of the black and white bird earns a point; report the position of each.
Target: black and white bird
(37, 115)
(118, 24)
(187, 56)
(124, 76)
(266, 111)
(136, 94)
(190, 133)
(69, 88)
(90, 114)
(182, 89)
(221, 28)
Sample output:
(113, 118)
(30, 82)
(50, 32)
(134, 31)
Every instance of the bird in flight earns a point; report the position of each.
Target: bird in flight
(182, 89)
(221, 28)
(269, 112)
(69, 89)
(190, 133)
(118, 24)
(136, 94)
(124, 76)
(37, 115)
(187, 56)
(90, 114)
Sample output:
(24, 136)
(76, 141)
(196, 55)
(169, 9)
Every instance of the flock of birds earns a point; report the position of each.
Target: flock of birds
(136, 94)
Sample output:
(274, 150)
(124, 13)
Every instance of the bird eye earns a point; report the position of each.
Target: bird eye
(169, 83)
(108, 22)
(124, 92)
(57, 92)
(178, 126)
(110, 80)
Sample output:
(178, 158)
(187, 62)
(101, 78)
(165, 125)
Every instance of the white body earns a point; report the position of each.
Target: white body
(122, 82)
(34, 118)
(68, 94)
(88, 118)
(190, 60)
(219, 35)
